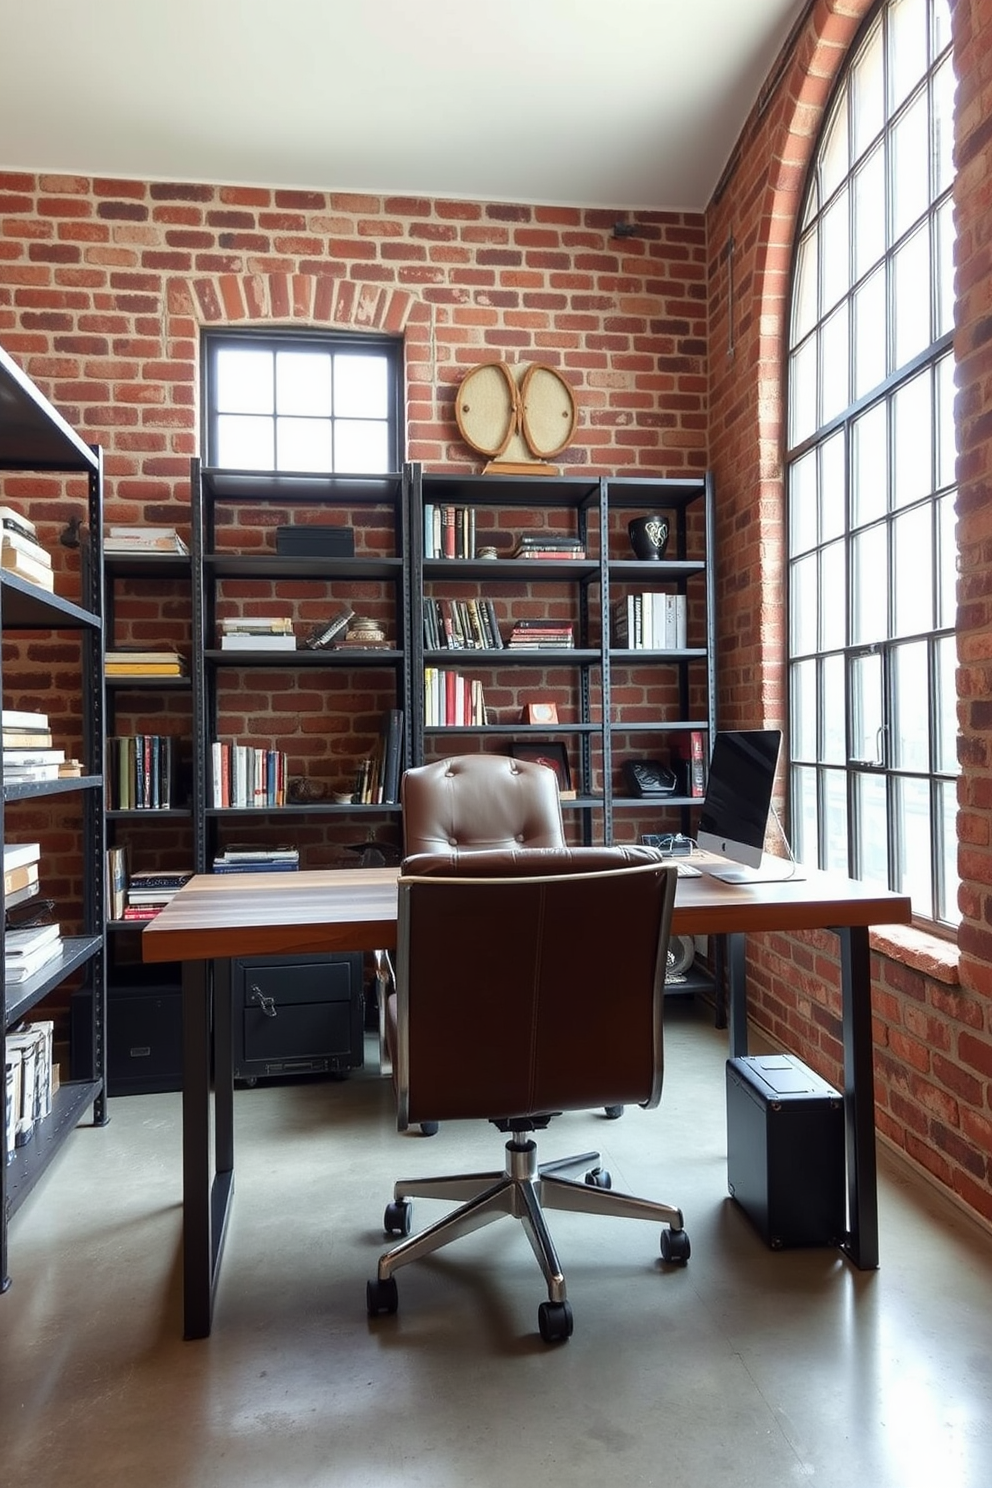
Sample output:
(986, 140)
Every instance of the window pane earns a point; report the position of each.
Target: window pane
(909, 157)
(944, 267)
(802, 738)
(869, 570)
(804, 596)
(872, 830)
(913, 864)
(802, 392)
(947, 575)
(833, 591)
(947, 815)
(832, 514)
(867, 94)
(869, 213)
(245, 443)
(911, 411)
(946, 699)
(835, 237)
(833, 160)
(910, 746)
(907, 47)
(835, 856)
(243, 382)
(870, 474)
(802, 504)
(803, 820)
(911, 291)
(870, 328)
(866, 710)
(361, 388)
(946, 434)
(943, 126)
(912, 570)
(360, 448)
(805, 292)
(834, 371)
(303, 385)
(834, 712)
(304, 444)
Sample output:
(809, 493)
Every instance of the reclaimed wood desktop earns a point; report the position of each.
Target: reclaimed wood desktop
(214, 917)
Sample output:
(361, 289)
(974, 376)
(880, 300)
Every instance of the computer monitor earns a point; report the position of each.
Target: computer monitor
(738, 798)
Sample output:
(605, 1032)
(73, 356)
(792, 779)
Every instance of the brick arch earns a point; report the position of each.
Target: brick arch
(317, 299)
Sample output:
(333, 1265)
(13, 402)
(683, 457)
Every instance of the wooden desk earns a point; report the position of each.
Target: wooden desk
(214, 917)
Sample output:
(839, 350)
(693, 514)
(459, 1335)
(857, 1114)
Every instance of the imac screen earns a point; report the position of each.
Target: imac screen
(739, 794)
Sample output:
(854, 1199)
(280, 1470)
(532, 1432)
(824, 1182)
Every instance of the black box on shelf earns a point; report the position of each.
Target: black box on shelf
(144, 1036)
(315, 540)
(785, 1150)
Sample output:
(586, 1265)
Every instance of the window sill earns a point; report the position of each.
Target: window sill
(916, 949)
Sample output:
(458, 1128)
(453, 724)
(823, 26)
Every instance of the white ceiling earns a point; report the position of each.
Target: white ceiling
(611, 103)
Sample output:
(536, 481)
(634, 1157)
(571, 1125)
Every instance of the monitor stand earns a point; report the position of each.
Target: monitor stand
(772, 870)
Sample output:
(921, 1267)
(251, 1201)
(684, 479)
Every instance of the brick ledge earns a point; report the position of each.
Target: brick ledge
(917, 949)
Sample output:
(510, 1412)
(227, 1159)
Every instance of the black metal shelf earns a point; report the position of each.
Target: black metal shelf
(30, 790)
(315, 570)
(76, 951)
(69, 1103)
(342, 656)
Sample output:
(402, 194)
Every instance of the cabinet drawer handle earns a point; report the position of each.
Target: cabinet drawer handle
(267, 1004)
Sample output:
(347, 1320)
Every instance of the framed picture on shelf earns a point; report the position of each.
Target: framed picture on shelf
(541, 713)
(556, 759)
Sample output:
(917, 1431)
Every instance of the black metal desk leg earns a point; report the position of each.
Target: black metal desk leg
(737, 979)
(859, 1097)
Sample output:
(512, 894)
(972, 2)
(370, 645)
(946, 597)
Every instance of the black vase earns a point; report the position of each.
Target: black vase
(648, 536)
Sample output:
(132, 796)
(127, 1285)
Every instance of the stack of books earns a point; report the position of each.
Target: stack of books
(649, 622)
(548, 545)
(449, 531)
(20, 871)
(20, 551)
(451, 700)
(256, 857)
(135, 663)
(257, 633)
(461, 625)
(150, 892)
(139, 539)
(27, 748)
(378, 780)
(541, 635)
(27, 951)
(30, 1080)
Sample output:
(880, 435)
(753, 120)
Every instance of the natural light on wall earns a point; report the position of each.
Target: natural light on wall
(871, 470)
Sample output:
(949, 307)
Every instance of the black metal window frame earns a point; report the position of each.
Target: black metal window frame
(871, 709)
(295, 339)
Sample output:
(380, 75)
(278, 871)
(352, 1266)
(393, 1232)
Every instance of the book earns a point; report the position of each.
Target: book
(256, 641)
(23, 774)
(25, 942)
(20, 543)
(280, 866)
(154, 878)
(117, 856)
(142, 911)
(16, 521)
(250, 852)
(392, 755)
(19, 896)
(25, 738)
(257, 625)
(17, 757)
(324, 634)
(17, 718)
(120, 538)
(12, 561)
(19, 877)
(19, 968)
(143, 669)
(126, 655)
(16, 854)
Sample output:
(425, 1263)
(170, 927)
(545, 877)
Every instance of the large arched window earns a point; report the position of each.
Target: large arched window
(870, 472)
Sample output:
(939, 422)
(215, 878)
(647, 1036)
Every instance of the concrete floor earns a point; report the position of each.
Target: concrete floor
(747, 1367)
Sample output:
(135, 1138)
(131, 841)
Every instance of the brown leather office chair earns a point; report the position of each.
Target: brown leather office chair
(471, 802)
(565, 953)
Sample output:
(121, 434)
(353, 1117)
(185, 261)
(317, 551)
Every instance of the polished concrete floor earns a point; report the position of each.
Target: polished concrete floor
(746, 1367)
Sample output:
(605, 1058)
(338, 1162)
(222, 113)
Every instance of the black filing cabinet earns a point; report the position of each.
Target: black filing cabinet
(785, 1150)
(297, 1015)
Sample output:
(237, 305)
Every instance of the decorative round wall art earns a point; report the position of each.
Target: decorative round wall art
(519, 416)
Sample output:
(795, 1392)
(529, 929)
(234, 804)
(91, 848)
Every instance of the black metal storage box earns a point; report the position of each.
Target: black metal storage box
(315, 540)
(144, 1036)
(785, 1150)
(297, 1015)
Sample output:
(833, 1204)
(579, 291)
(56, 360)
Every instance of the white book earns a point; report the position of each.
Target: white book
(25, 942)
(21, 773)
(262, 641)
(14, 718)
(17, 969)
(33, 757)
(20, 543)
(16, 853)
(16, 519)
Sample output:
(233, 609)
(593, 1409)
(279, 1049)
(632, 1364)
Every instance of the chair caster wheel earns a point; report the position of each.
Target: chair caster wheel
(612, 1113)
(429, 1128)
(381, 1296)
(555, 1321)
(398, 1218)
(599, 1178)
(675, 1246)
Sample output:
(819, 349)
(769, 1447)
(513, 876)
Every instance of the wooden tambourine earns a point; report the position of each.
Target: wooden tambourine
(519, 426)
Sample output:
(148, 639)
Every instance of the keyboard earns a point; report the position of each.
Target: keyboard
(686, 870)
